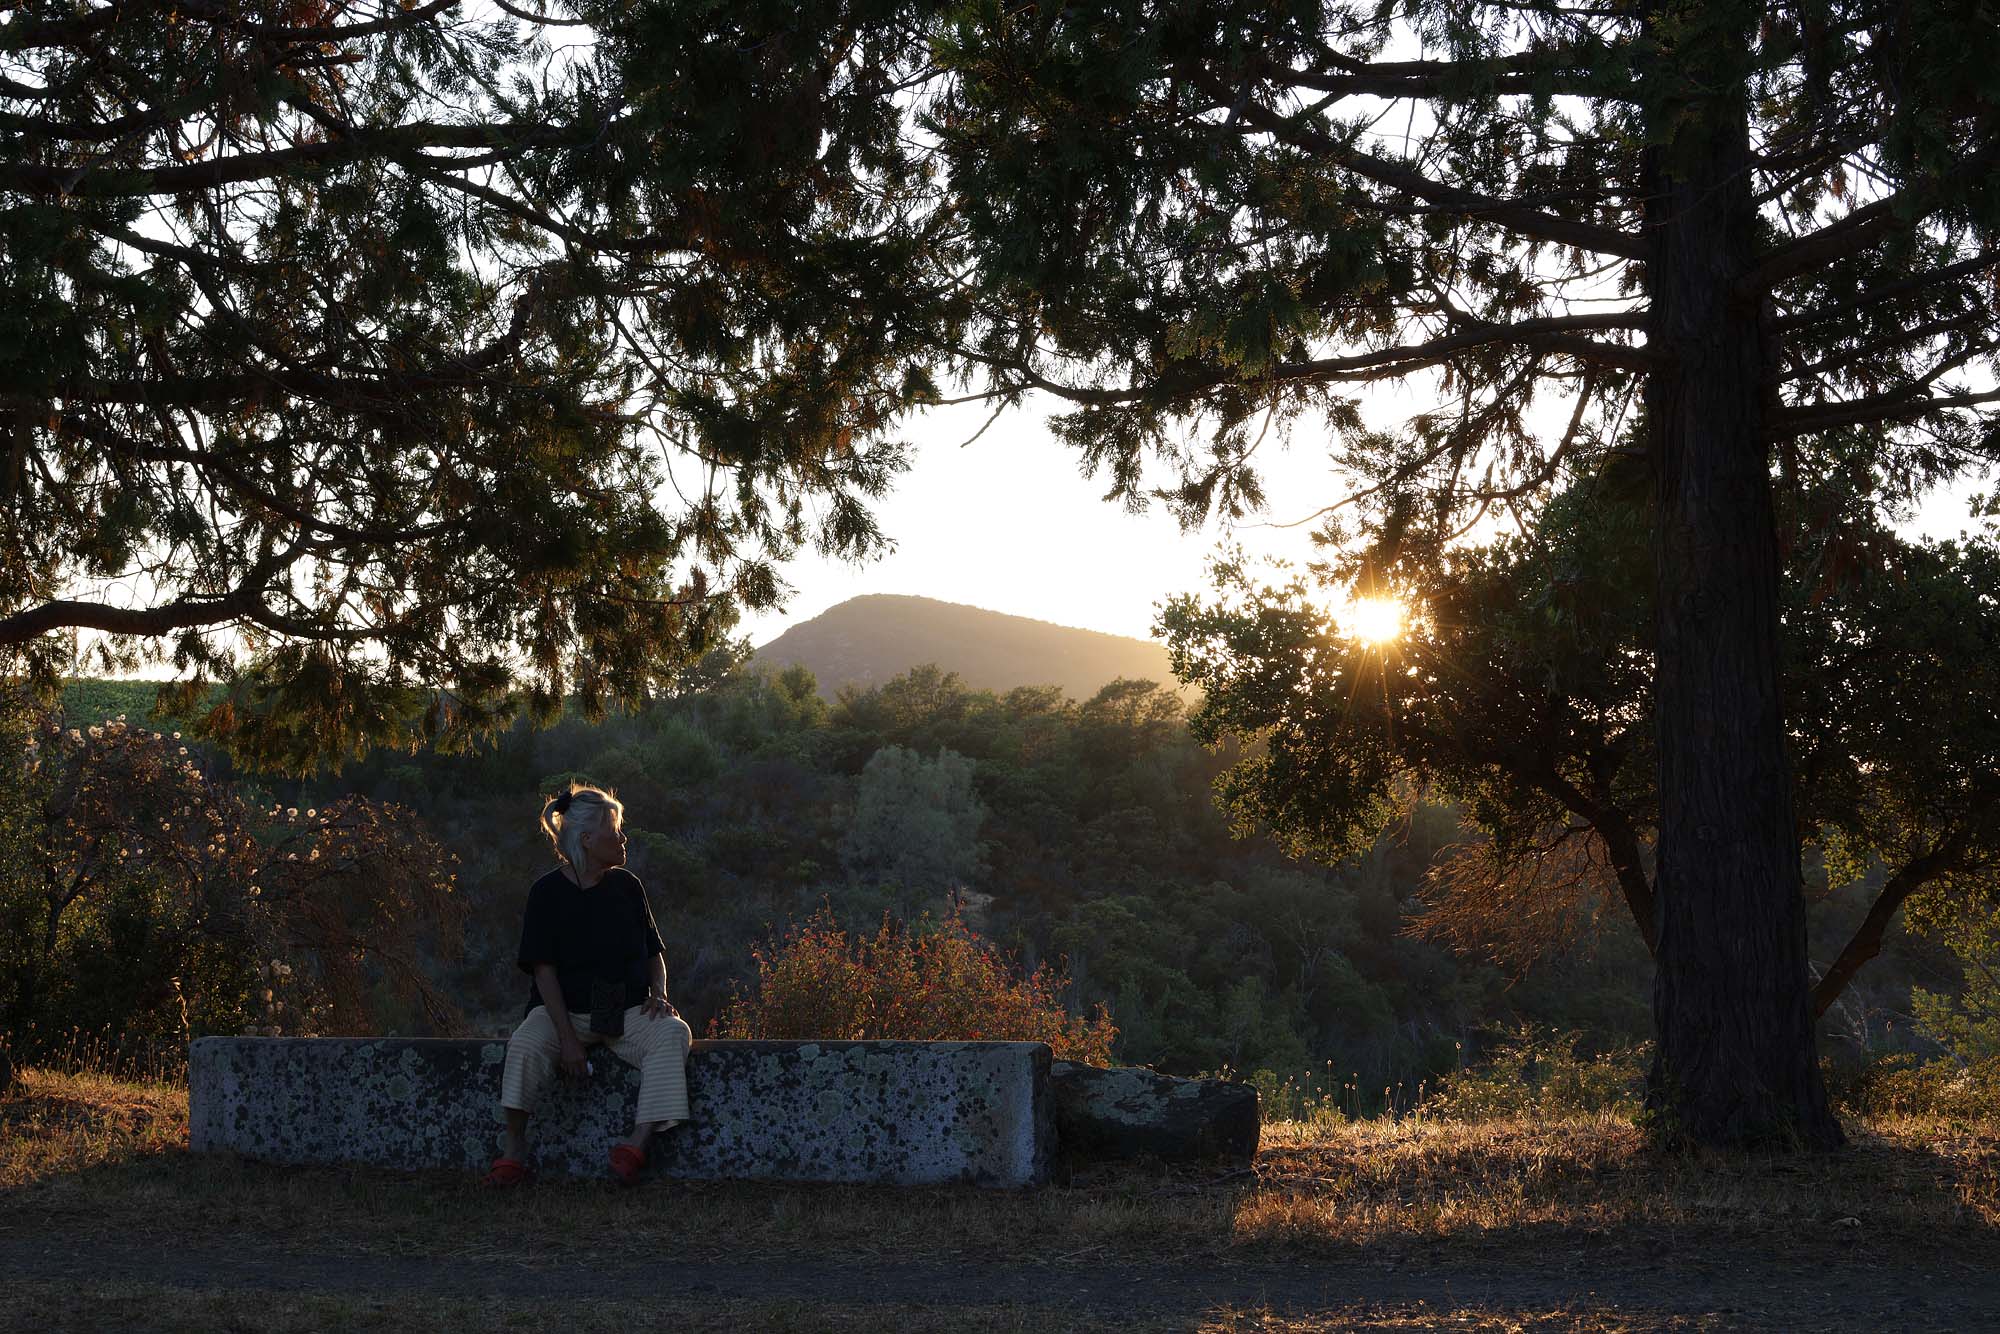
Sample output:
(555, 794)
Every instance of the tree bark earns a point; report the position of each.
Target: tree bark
(1736, 1062)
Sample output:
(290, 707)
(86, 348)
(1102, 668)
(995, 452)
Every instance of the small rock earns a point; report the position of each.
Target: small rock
(1135, 1112)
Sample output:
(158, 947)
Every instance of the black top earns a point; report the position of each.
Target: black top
(603, 933)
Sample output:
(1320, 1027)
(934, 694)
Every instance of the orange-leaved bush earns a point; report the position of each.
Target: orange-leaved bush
(927, 983)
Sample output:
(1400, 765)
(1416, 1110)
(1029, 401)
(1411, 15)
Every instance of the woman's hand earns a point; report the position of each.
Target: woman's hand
(572, 1059)
(657, 1006)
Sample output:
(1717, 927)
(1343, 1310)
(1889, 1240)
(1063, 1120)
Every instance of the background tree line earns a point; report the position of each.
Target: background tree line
(1068, 831)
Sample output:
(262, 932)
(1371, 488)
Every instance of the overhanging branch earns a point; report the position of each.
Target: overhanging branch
(1558, 334)
(67, 614)
(97, 182)
(1558, 70)
(1898, 406)
(1889, 291)
(1513, 215)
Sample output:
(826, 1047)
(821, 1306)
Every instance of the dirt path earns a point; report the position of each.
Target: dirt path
(1706, 1289)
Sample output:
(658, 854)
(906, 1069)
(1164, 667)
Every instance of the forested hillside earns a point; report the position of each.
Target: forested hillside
(1066, 829)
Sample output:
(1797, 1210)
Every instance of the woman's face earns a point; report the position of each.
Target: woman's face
(605, 844)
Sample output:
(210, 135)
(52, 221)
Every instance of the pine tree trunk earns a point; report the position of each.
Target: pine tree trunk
(1737, 1062)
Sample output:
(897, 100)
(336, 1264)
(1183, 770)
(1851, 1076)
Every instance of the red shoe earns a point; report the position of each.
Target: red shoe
(626, 1163)
(506, 1172)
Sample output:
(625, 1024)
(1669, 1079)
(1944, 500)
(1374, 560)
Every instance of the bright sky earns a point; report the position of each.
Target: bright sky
(1008, 523)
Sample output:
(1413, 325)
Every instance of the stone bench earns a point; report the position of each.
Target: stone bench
(905, 1113)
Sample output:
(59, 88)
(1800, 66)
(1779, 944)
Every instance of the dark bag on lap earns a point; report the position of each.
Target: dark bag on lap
(607, 1009)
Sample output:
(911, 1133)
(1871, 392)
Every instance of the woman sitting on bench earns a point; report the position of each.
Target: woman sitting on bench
(595, 955)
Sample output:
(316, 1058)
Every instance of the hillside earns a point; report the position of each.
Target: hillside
(868, 640)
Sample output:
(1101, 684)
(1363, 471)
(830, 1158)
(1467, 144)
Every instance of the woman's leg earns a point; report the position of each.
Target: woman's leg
(658, 1045)
(532, 1055)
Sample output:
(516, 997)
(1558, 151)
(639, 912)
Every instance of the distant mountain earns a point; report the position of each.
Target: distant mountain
(866, 641)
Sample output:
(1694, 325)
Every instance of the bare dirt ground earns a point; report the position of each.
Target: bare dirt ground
(1570, 1286)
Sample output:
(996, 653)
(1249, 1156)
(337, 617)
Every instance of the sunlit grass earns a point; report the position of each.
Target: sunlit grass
(53, 1123)
(84, 1156)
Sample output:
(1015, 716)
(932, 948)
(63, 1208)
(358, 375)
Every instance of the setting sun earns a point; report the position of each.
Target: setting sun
(1374, 620)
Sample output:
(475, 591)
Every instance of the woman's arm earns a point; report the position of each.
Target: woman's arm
(573, 1060)
(656, 988)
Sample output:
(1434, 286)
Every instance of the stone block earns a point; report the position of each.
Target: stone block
(908, 1113)
(1133, 1112)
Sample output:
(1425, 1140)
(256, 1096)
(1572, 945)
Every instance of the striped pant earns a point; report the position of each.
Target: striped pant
(658, 1045)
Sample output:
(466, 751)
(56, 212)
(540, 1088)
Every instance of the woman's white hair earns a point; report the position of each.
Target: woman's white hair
(570, 815)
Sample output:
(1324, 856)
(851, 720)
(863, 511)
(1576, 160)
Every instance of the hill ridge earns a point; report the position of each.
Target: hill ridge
(872, 637)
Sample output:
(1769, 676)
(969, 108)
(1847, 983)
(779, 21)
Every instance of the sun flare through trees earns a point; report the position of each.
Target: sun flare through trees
(1374, 621)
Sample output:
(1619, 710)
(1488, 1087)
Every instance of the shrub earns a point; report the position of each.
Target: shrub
(916, 822)
(144, 901)
(1539, 1073)
(1903, 1084)
(930, 982)
(1965, 1022)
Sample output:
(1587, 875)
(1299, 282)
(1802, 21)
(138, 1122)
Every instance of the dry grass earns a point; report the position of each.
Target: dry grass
(1377, 1182)
(84, 1157)
(54, 1123)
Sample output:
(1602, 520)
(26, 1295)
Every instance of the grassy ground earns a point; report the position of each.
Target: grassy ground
(91, 1165)
(91, 1155)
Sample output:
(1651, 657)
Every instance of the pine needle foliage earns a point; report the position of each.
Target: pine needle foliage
(403, 366)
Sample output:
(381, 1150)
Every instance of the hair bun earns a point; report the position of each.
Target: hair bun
(562, 802)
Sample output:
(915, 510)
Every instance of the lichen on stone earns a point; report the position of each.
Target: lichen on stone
(815, 1111)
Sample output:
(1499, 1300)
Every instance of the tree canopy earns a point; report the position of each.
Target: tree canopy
(1712, 233)
(399, 362)
(1519, 693)
(380, 334)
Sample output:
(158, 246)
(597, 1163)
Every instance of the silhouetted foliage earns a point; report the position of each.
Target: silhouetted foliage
(1520, 694)
(1734, 239)
(423, 363)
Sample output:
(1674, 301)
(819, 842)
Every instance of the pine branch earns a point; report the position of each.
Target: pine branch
(1889, 291)
(1853, 233)
(244, 600)
(91, 181)
(1560, 334)
(1561, 71)
(1513, 215)
(1896, 406)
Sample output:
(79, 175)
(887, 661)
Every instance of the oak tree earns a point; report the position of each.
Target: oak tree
(1519, 689)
